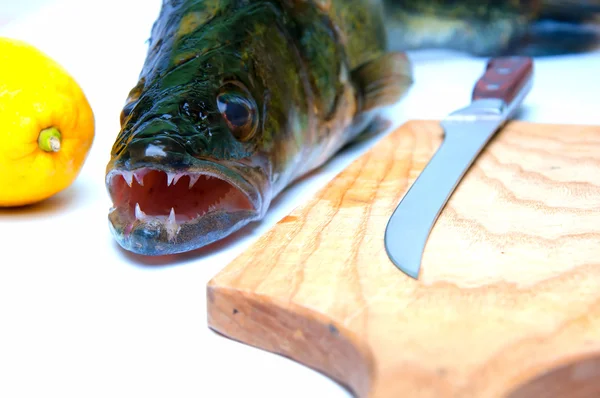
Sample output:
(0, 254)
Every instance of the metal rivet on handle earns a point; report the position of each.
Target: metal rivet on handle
(492, 87)
(503, 71)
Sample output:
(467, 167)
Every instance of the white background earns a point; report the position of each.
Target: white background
(81, 318)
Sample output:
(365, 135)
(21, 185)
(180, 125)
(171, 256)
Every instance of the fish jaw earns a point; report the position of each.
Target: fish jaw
(158, 211)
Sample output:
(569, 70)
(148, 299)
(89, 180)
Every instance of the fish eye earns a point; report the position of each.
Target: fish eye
(239, 111)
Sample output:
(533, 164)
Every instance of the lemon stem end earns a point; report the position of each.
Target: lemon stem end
(49, 140)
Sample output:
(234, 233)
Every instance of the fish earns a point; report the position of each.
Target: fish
(237, 100)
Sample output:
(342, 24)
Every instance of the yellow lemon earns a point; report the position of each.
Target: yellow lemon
(46, 125)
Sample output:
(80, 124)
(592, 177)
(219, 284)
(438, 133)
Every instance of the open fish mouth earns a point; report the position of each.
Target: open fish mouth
(164, 212)
(174, 197)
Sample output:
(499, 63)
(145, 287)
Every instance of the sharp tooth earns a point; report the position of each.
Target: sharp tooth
(177, 177)
(171, 225)
(139, 177)
(128, 176)
(139, 214)
(193, 179)
(170, 177)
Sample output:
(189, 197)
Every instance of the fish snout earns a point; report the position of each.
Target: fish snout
(164, 150)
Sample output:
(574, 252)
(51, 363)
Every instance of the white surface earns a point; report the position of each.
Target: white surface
(79, 318)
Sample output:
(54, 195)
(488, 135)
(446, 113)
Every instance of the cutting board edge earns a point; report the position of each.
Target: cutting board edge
(542, 370)
(292, 331)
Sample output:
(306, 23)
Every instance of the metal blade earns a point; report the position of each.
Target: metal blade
(495, 98)
(410, 225)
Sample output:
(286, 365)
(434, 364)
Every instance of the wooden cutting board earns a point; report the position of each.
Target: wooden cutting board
(508, 301)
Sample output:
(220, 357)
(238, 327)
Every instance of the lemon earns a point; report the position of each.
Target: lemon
(46, 125)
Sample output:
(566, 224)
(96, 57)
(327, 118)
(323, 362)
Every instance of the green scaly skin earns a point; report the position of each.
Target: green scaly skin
(301, 67)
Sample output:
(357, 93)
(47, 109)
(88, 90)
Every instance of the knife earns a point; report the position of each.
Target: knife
(495, 98)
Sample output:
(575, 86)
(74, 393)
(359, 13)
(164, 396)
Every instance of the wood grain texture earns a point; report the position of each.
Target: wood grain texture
(508, 300)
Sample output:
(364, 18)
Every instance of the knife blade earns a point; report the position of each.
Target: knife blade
(497, 95)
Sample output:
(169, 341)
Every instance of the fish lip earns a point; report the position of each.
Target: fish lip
(151, 238)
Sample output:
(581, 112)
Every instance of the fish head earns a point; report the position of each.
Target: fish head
(202, 135)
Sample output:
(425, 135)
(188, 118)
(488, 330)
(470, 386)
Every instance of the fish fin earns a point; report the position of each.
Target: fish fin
(561, 27)
(570, 10)
(549, 38)
(383, 81)
(377, 125)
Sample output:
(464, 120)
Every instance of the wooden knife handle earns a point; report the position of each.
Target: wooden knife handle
(504, 77)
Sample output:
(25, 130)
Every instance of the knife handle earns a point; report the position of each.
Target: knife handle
(504, 77)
